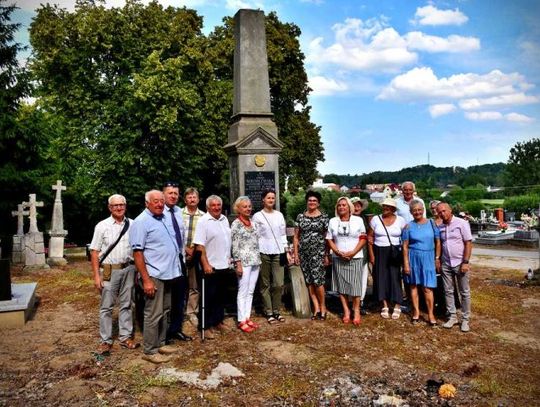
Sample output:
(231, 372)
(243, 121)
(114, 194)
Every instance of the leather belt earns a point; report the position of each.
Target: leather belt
(118, 266)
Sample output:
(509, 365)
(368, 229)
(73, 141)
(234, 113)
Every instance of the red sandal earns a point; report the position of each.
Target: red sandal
(244, 327)
(252, 324)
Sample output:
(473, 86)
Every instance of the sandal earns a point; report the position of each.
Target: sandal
(104, 349)
(315, 316)
(252, 324)
(415, 321)
(244, 327)
(397, 312)
(384, 313)
(270, 319)
(322, 316)
(346, 320)
(357, 321)
(129, 344)
(278, 317)
(433, 324)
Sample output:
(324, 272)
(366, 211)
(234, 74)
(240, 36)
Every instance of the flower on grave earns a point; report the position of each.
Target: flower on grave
(503, 226)
(447, 391)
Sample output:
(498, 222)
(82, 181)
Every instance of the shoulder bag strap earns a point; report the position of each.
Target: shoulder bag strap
(111, 247)
(386, 230)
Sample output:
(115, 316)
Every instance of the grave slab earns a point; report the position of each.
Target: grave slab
(15, 312)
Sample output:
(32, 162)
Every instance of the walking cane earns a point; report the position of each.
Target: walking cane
(203, 321)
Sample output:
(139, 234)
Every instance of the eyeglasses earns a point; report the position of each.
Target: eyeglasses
(117, 205)
(170, 184)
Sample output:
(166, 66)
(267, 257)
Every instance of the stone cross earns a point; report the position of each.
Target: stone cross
(32, 205)
(20, 213)
(58, 187)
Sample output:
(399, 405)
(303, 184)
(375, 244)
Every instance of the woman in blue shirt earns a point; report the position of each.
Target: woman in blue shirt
(421, 257)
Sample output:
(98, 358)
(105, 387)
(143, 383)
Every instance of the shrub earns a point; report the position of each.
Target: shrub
(522, 204)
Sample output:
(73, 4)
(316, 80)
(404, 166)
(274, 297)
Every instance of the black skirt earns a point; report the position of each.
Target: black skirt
(386, 276)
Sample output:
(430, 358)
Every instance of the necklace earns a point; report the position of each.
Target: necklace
(246, 223)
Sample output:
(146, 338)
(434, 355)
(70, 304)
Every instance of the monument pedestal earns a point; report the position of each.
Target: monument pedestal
(15, 312)
(17, 254)
(34, 253)
(56, 251)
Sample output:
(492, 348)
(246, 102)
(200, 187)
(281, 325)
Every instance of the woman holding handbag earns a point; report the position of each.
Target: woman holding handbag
(272, 244)
(385, 257)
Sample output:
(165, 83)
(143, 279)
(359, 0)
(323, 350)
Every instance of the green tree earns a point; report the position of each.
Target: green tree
(523, 166)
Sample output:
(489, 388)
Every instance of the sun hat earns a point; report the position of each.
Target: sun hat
(389, 202)
(363, 202)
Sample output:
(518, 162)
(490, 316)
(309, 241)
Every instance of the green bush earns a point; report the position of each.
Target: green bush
(473, 208)
(522, 203)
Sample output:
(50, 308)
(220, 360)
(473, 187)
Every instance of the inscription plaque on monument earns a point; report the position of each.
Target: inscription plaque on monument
(255, 182)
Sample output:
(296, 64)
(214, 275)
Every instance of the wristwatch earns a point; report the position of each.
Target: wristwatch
(465, 262)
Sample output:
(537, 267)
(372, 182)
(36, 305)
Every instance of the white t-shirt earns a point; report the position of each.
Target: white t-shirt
(394, 231)
(346, 234)
(268, 223)
(215, 235)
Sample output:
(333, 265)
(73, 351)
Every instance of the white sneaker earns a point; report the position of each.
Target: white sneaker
(465, 326)
(450, 323)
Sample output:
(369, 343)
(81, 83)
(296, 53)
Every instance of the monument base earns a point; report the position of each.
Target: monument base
(34, 250)
(15, 312)
(56, 261)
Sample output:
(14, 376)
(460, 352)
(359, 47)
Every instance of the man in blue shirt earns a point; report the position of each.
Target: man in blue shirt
(156, 255)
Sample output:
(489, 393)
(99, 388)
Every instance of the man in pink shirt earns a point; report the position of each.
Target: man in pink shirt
(456, 240)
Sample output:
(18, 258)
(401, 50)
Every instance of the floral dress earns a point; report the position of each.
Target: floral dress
(311, 246)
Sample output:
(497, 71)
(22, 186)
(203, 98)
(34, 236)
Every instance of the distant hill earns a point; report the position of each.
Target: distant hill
(428, 176)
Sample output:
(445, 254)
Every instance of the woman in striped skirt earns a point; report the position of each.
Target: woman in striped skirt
(346, 237)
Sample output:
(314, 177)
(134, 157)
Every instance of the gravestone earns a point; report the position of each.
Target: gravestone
(57, 232)
(34, 251)
(17, 253)
(253, 146)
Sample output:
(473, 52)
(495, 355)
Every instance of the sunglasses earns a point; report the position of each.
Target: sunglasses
(170, 184)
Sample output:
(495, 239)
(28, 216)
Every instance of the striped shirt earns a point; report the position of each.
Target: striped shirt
(190, 224)
(105, 233)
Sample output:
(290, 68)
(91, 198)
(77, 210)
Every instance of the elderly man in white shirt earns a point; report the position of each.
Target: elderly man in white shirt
(403, 202)
(213, 241)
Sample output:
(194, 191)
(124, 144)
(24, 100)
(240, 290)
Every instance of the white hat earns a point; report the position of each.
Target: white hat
(389, 202)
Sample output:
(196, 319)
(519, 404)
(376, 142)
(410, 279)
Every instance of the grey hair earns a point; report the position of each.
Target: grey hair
(416, 202)
(238, 201)
(409, 183)
(116, 196)
(213, 198)
(191, 190)
(152, 191)
(434, 202)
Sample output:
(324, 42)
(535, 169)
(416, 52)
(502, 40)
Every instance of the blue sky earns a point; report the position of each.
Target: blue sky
(396, 81)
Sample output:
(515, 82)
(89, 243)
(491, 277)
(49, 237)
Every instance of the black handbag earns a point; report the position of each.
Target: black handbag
(396, 252)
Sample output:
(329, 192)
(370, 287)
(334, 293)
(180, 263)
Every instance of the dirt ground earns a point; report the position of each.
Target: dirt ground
(50, 361)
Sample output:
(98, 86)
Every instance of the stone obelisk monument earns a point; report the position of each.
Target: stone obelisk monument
(253, 146)
(57, 232)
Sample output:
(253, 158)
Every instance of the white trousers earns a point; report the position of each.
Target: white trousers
(246, 287)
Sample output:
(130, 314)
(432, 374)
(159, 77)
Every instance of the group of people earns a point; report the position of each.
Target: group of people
(175, 255)
(179, 258)
(404, 249)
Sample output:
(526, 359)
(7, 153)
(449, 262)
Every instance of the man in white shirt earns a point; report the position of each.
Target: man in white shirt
(213, 241)
(114, 274)
(408, 190)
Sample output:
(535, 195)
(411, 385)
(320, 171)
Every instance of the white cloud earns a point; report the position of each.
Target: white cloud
(326, 86)
(483, 116)
(431, 15)
(454, 43)
(372, 45)
(510, 99)
(240, 4)
(517, 117)
(441, 109)
(423, 84)
(487, 116)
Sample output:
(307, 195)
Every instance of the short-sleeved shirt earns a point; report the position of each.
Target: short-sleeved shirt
(272, 232)
(151, 234)
(421, 235)
(404, 210)
(346, 234)
(394, 231)
(245, 243)
(105, 234)
(453, 238)
(215, 235)
(190, 224)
